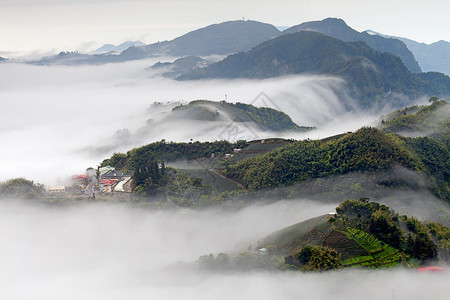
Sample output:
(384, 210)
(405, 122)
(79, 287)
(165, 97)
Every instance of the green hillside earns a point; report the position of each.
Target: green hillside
(367, 151)
(263, 117)
(432, 120)
(362, 234)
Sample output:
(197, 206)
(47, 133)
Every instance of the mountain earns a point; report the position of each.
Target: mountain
(431, 57)
(217, 39)
(337, 28)
(2, 59)
(119, 48)
(224, 38)
(373, 77)
(180, 66)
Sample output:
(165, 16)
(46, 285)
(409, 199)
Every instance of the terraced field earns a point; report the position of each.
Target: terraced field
(347, 247)
(357, 248)
(297, 236)
(379, 254)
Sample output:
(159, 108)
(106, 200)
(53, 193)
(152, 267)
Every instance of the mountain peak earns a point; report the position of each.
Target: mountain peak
(337, 28)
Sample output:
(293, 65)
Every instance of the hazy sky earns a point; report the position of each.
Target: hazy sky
(27, 25)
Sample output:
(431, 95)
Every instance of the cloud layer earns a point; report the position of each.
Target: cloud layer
(106, 251)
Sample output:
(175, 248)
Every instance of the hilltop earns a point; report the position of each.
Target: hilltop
(337, 28)
(374, 78)
(432, 121)
(362, 234)
(264, 118)
(107, 48)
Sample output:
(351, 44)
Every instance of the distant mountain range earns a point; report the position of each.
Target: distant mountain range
(228, 38)
(372, 76)
(431, 57)
(223, 38)
(339, 29)
(180, 66)
(119, 48)
(2, 59)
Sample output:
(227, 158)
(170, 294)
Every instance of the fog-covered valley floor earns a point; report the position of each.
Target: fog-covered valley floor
(57, 121)
(107, 251)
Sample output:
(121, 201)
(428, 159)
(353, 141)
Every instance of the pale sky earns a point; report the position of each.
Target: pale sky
(43, 25)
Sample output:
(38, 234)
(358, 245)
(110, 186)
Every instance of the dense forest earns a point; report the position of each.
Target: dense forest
(366, 150)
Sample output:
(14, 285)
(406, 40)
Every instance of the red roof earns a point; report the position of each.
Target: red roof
(108, 181)
(79, 177)
(431, 269)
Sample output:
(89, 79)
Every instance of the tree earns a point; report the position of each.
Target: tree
(433, 99)
(319, 258)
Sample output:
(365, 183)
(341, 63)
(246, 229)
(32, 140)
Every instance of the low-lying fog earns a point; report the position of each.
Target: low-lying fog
(107, 251)
(57, 120)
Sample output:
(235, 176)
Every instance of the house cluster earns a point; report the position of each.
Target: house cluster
(111, 180)
(107, 181)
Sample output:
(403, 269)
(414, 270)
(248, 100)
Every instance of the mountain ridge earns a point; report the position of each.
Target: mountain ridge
(374, 77)
(431, 57)
(337, 28)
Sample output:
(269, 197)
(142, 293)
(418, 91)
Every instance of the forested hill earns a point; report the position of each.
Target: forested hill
(337, 28)
(432, 121)
(362, 234)
(372, 76)
(263, 117)
(368, 150)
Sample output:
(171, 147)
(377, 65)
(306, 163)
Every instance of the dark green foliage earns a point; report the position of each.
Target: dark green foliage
(434, 122)
(149, 177)
(162, 151)
(436, 158)
(421, 246)
(318, 258)
(368, 149)
(442, 234)
(21, 188)
(117, 160)
(407, 234)
(304, 256)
